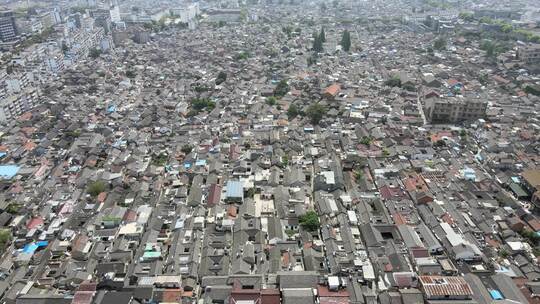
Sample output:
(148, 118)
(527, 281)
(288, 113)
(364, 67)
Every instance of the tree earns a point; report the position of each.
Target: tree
(393, 82)
(287, 30)
(65, 47)
(281, 89)
(284, 161)
(310, 221)
(466, 16)
(242, 55)
(94, 53)
(322, 35)
(358, 175)
(532, 90)
(293, 111)
(160, 159)
(186, 149)
(199, 104)
(531, 236)
(409, 87)
(439, 44)
(317, 44)
(95, 188)
(5, 237)
(13, 208)
(130, 74)
(366, 140)
(440, 143)
(492, 48)
(271, 101)
(221, 77)
(311, 60)
(315, 112)
(346, 41)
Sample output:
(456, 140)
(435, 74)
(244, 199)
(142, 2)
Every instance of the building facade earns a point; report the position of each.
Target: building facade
(453, 110)
(529, 54)
(8, 29)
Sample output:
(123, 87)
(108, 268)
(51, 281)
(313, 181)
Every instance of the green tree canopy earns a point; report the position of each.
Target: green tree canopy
(186, 149)
(221, 77)
(281, 89)
(271, 101)
(293, 111)
(393, 82)
(466, 16)
(316, 112)
(310, 221)
(439, 44)
(317, 43)
(5, 237)
(94, 53)
(346, 41)
(95, 188)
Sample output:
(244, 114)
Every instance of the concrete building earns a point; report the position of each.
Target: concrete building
(15, 105)
(454, 109)
(8, 29)
(529, 53)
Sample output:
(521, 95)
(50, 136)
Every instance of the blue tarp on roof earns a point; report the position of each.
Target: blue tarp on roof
(179, 224)
(2, 154)
(200, 162)
(187, 165)
(42, 243)
(32, 247)
(469, 174)
(235, 189)
(8, 171)
(111, 109)
(496, 295)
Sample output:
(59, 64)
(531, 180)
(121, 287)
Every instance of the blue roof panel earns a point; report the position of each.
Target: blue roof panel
(496, 295)
(8, 171)
(235, 189)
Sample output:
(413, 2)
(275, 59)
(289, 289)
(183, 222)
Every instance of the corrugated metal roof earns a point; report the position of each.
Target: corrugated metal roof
(436, 286)
(235, 189)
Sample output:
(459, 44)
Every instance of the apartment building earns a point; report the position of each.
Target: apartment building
(454, 109)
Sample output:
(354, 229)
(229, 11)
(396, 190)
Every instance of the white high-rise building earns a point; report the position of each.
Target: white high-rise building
(115, 12)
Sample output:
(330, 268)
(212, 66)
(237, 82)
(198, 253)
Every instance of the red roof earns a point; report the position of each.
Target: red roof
(388, 192)
(535, 224)
(214, 196)
(83, 297)
(101, 197)
(130, 216)
(231, 211)
(399, 219)
(35, 223)
(323, 291)
(333, 89)
(436, 286)
(171, 295)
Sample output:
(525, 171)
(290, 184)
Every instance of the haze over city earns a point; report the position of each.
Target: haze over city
(270, 152)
